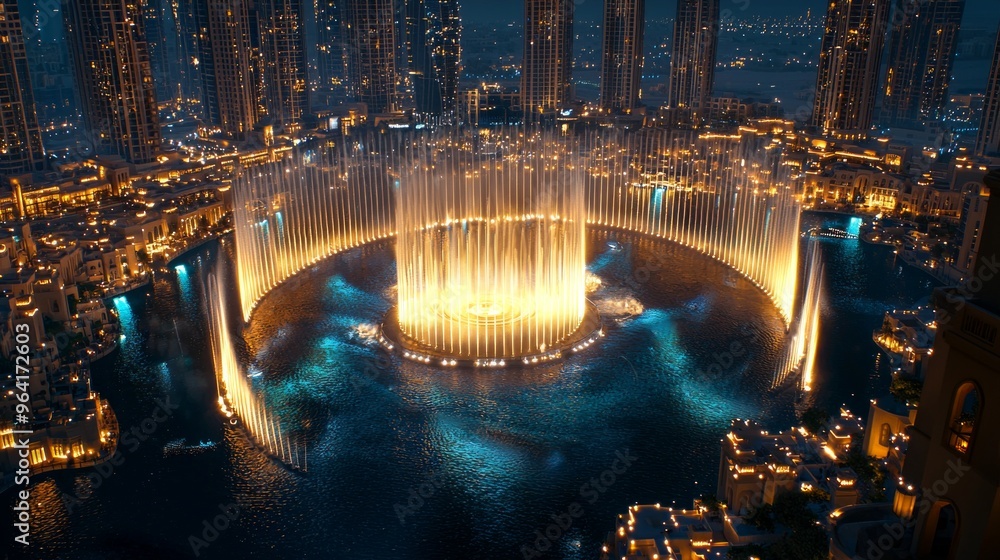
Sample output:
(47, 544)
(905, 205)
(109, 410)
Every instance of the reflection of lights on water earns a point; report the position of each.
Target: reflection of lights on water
(237, 397)
(854, 226)
(800, 351)
(726, 196)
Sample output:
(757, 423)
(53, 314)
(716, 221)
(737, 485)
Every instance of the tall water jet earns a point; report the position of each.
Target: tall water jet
(800, 350)
(489, 223)
(490, 247)
(236, 396)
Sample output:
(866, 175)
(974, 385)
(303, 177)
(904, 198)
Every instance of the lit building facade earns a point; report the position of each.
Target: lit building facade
(988, 141)
(185, 50)
(692, 62)
(331, 54)
(156, 44)
(621, 71)
(20, 138)
(949, 476)
(921, 56)
(970, 225)
(113, 77)
(548, 57)
(849, 65)
(283, 54)
(434, 55)
(228, 67)
(370, 35)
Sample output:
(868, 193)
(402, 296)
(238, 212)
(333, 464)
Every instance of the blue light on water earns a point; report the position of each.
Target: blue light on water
(126, 318)
(124, 310)
(489, 467)
(184, 284)
(854, 226)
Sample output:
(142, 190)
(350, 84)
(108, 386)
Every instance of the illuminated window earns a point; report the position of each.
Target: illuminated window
(38, 455)
(964, 416)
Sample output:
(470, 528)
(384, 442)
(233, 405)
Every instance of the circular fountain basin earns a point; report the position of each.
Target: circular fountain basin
(483, 317)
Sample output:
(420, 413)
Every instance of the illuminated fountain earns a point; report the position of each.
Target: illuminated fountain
(308, 205)
(800, 351)
(237, 398)
(489, 227)
(490, 253)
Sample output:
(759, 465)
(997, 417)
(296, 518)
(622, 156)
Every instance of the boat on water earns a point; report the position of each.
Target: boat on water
(181, 446)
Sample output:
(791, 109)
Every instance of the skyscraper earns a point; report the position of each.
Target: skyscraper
(433, 54)
(548, 57)
(921, 55)
(113, 77)
(371, 59)
(692, 62)
(988, 141)
(228, 69)
(849, 63)
(20, 137)
(331, 62)
(621, 70)
(283, 52)
(183, 45)
(156, 43)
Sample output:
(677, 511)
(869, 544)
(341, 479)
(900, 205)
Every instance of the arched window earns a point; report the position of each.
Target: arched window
(885, 435)
(964, 416)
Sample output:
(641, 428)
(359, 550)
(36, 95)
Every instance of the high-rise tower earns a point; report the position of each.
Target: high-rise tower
(433, 35)
(113, 77)
(283, 53)
(20, 137)
(849, 64)
(370, 35)
(621, 70)
(988, 141)
(228, 69)
(183, 44)
(921, 55)
(548, 57)
(331, 52)
(692, 62)
(156, 44)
